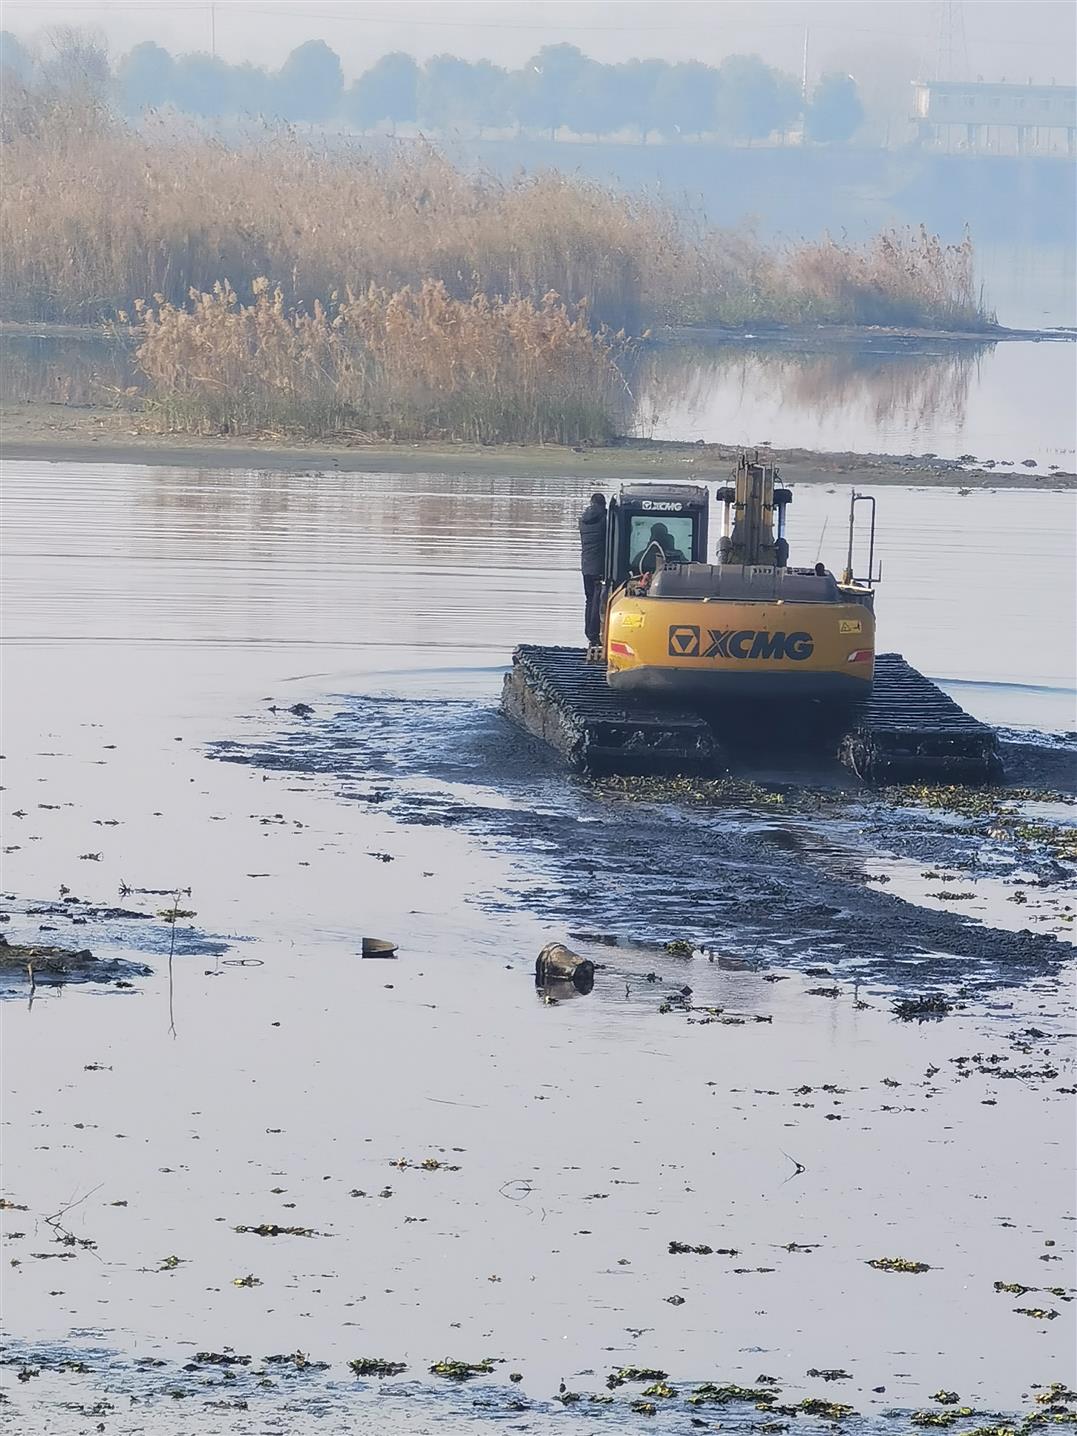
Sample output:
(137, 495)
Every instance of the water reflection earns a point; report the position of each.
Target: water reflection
(894, 385)
(867, 393)
(83, 368)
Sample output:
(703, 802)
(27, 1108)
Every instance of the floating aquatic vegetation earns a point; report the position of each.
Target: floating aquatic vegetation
(270, 1229)
(375, 1366)
(927, 1005)
(1057, 1394)
(220, 1358)
(661, 1389)
(170, 1263)
(684, 1249)
(645, 1408)
(818, 1406)
(680, 947)
(946, 1398)
(898, 1264)
(249, 1280)
(624, 1374)
(942, 1418)
(1014, 1288)
(709, 1393)
(299, 1359)
(462, 1370)
(1039, 1313)
(829, 1374)
(428, 1164)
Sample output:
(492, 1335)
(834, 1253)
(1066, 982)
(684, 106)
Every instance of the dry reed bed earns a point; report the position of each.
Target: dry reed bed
(94, 214)
(406, 365)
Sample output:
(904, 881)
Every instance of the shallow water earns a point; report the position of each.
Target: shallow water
(153, 612)
(978, 590)
(1004, 402)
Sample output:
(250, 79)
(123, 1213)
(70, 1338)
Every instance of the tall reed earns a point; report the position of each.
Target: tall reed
(408, 364)
(94, 213)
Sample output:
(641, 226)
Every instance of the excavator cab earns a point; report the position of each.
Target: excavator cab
(651, 525)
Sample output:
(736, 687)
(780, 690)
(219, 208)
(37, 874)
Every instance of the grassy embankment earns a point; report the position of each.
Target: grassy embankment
(275, 284)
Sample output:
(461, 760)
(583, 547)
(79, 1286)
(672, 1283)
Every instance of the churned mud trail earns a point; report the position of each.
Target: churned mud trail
(778, 869)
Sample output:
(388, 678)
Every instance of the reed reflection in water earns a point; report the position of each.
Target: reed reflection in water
(866, 394)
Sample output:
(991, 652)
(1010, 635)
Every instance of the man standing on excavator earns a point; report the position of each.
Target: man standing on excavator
(593, 564)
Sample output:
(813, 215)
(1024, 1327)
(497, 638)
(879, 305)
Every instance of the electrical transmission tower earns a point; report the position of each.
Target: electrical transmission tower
(952, 51)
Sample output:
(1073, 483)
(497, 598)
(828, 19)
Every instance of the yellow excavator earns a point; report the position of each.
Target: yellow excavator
(698, 659)
(747, 627)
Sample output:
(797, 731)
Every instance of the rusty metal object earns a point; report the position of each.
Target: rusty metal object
(558, 963)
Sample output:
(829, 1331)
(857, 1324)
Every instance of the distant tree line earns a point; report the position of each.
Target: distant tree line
(560, 88)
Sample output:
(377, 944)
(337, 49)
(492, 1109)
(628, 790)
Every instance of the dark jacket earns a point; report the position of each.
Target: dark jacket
(593, 541)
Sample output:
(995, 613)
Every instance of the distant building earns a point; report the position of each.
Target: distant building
(996, 118)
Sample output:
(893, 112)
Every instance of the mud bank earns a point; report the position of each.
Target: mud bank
(58, 433)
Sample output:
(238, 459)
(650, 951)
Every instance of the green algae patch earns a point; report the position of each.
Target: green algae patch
(942, 1418)
(819, 1406)
(710, 1393)
(661, 1389)
(898, 1264)
(1057, 1394)
(376, 1366)
(624, 1374)
(462, 1370)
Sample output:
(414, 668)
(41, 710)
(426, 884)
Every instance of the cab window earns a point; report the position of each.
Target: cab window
(649, 536)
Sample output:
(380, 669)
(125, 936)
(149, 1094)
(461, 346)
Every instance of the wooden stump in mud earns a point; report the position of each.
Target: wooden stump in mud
(558, 963)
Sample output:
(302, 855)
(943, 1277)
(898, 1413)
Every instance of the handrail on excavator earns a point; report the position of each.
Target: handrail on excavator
(872, 577)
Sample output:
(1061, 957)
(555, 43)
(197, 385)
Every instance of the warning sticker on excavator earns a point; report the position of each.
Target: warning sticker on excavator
(683, 640)
(849, 625)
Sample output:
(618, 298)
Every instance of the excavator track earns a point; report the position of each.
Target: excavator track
(561, 698)
(907, 731)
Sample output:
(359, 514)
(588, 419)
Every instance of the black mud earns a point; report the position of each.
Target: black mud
(70, 941)
(777, 871)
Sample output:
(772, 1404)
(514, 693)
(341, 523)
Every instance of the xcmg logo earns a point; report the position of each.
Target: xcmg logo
(686, 641)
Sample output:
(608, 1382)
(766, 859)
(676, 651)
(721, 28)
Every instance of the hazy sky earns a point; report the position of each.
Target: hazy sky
(1011, 39)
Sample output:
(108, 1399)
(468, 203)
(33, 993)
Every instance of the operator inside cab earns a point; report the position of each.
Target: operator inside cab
(660, 545)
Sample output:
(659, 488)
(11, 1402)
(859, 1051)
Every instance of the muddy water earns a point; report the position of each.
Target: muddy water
(277, 1076)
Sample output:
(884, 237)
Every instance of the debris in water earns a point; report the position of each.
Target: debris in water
(270, 1229)
(898, 1264)
(634, 1373)
(918, 1008)
(558, 963)
(378, 947)
(462, 1370)
(375, 1366)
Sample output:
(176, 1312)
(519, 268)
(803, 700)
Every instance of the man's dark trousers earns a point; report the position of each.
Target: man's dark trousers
(592, 619)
